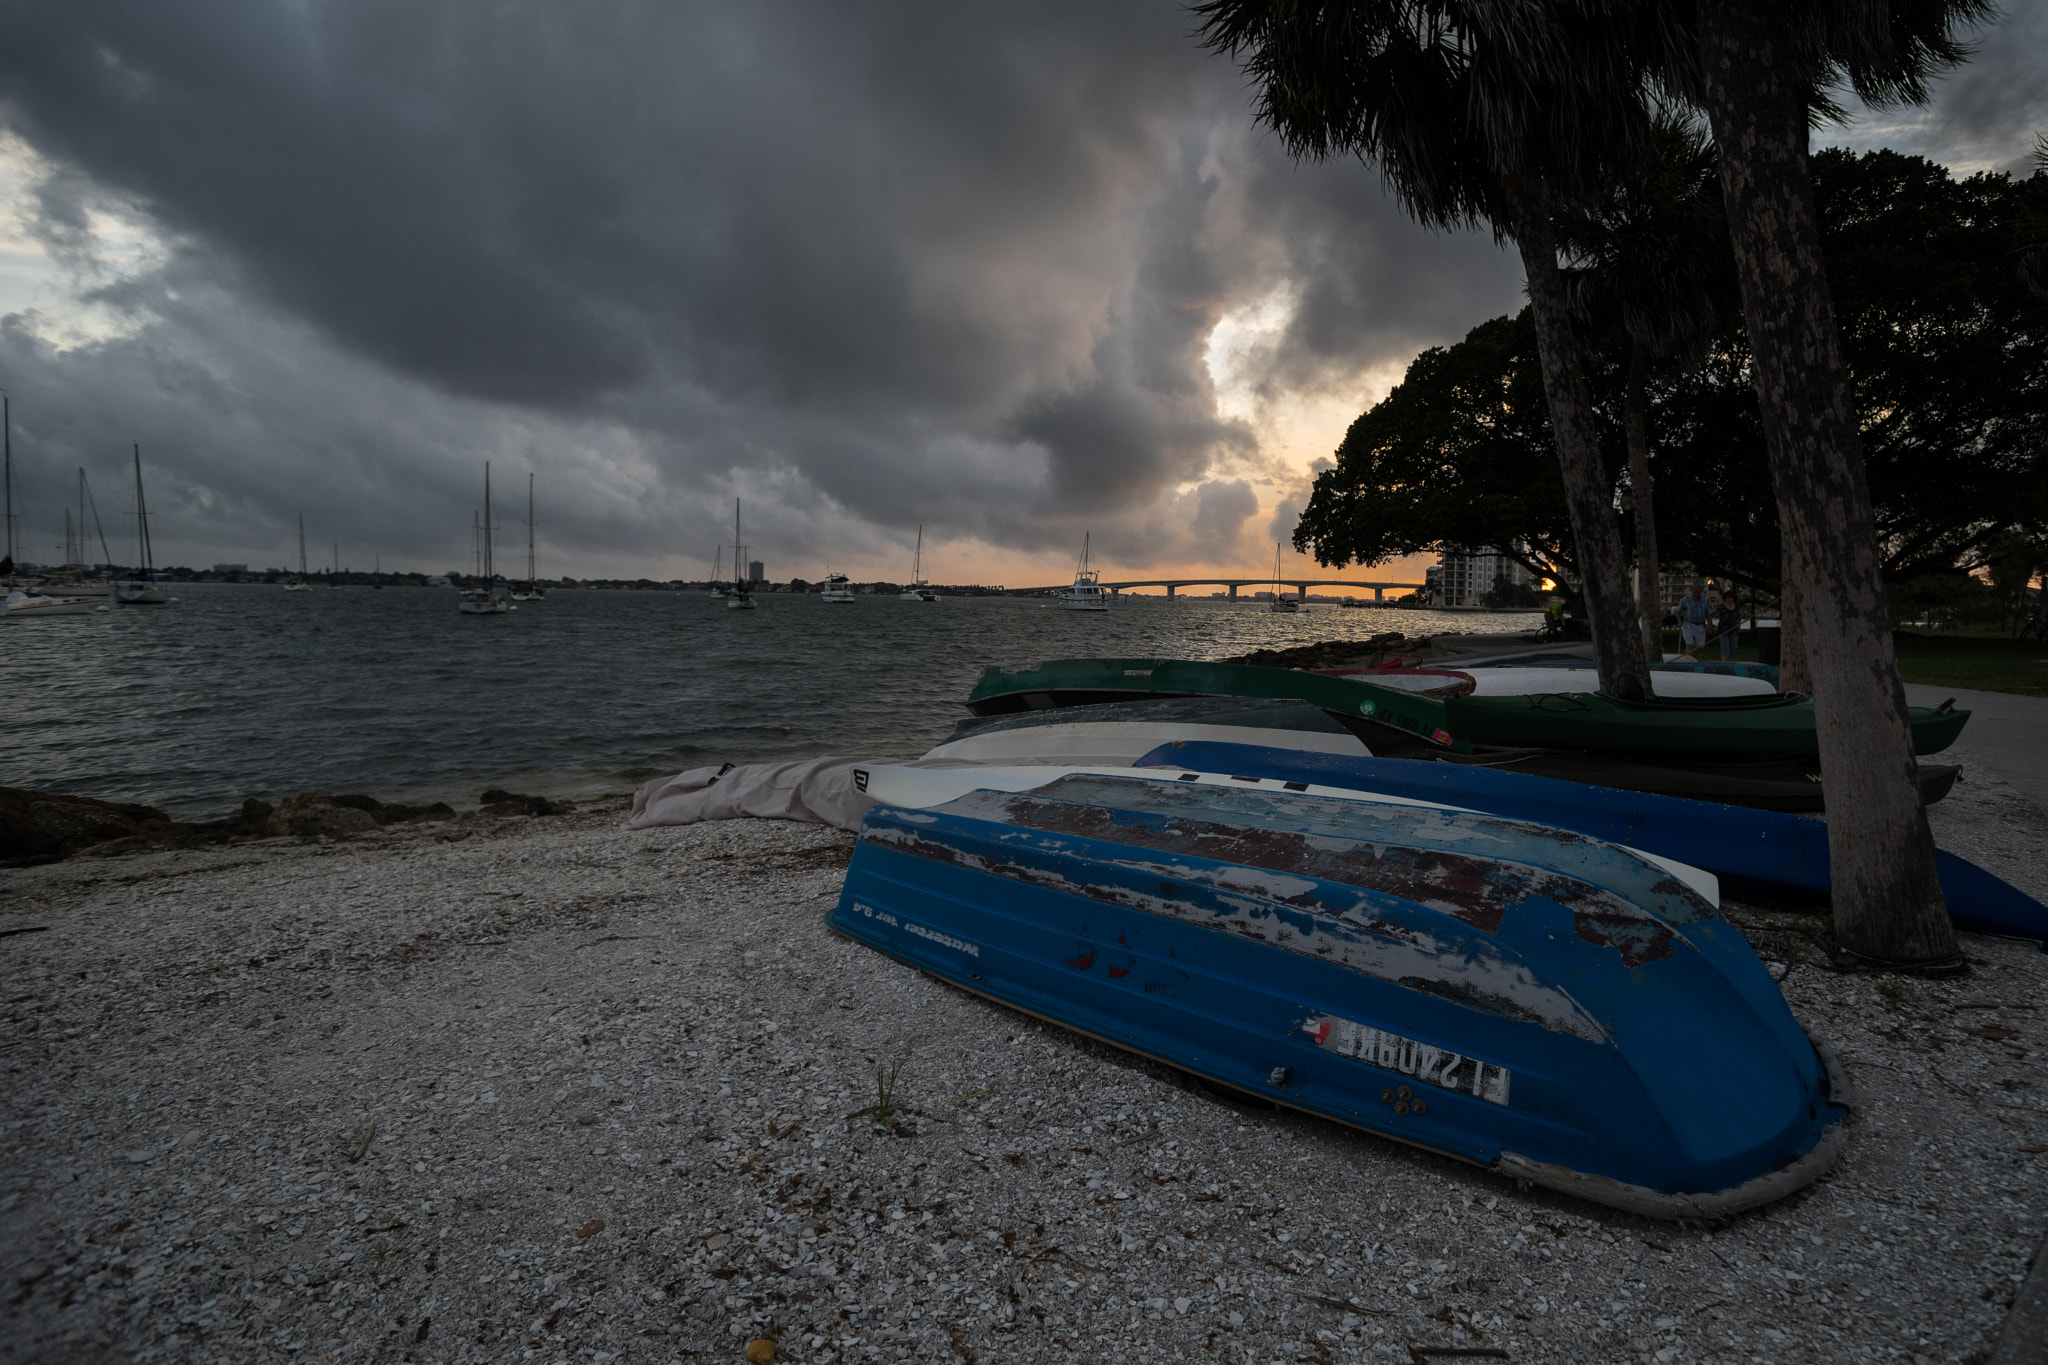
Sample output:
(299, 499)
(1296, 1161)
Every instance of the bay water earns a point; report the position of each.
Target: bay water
(240, 690)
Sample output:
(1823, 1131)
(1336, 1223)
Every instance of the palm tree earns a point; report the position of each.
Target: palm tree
(1758, 69)
(1472, 123)
(1653, 262)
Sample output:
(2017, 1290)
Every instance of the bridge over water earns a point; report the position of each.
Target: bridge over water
(1172, 585)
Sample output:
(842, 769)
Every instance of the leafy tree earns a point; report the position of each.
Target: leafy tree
(1458, 455)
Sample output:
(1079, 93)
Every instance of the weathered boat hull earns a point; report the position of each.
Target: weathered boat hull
(1119, 732)
(1699, 727)
(1760, 850)
(1394, 724)
(1535, 1002)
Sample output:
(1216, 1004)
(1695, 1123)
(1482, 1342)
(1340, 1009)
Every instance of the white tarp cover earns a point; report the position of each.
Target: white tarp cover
(820, 791)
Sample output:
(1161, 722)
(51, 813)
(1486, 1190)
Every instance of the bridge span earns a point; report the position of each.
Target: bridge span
(1172, 585)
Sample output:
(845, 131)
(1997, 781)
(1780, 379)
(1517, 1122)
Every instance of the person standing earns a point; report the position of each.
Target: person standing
(1694, 611)
(1728, 625)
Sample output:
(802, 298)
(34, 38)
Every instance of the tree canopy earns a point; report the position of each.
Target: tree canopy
(1947, 348)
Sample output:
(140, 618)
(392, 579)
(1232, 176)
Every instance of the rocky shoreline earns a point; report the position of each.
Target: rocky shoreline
(561, 1091)
(43, 827)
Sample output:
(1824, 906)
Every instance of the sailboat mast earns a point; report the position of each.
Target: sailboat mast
(487, 526)
(738, 551)
(141, 517)
(106, 555)
(302, 544)
(7, 427)
(529, 529)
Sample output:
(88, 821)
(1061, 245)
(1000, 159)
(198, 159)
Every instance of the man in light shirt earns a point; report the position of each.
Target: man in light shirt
(1694, 611)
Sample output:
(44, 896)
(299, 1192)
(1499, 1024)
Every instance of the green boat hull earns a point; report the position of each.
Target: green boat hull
(1700, 728)
(1092, 682)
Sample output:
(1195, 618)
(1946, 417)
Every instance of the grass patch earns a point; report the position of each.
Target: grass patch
(1987, 663)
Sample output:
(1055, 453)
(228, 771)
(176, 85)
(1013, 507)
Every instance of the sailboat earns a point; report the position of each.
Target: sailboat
(739, 598)
(1280, 603)
(334, 569)
(297, 582)
(484, 600)
(919, 590)
(713, 588)
(529, 591)
(7, 435)
(1086, 592)
(139, 588)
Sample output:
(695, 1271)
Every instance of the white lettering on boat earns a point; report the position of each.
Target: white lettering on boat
(1391, 1052)
(959, 945)
(883, 915)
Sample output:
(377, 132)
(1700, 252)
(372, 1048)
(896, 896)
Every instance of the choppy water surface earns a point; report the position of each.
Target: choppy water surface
(237, 691)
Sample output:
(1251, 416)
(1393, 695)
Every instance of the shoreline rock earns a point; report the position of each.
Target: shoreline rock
(47, 827)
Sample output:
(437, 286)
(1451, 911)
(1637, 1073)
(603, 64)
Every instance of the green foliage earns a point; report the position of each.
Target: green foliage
(1459, 454)
(1507, 593)
(885, 1091)
(1949, 356)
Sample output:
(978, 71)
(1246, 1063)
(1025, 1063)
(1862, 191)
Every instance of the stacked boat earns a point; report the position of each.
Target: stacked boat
(1566, 1010)
(1344, 898)
(1753, 750)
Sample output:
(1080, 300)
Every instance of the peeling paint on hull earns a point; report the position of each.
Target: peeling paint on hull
(1559, 1018)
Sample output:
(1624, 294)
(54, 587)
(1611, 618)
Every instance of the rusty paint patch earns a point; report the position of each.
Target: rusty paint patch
(1475, 890)
(1353, 936)
(1638, 941)
(1119, 971)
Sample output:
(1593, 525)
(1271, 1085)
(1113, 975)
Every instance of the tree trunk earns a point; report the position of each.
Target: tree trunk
(1636, 419)
(1887, 900)
(1793, 675)
(1603, 569)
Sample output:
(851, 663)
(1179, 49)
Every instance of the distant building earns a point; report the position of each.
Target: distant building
(757, 572)
(1464, 577)
(231, 568)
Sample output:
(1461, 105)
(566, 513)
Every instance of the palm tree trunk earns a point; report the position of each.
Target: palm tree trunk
(1603, 570)
(1793, 675)
(1636, 420)
(1887, 900)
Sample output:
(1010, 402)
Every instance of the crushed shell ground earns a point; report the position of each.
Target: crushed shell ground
(561, 1092)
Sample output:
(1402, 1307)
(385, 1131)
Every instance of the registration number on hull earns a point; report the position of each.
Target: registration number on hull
(1392, 1052)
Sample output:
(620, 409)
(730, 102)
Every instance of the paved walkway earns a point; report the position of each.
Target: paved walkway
(2007, 734)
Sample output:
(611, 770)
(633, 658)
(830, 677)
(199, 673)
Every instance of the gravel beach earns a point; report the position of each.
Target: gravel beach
(516, 1088)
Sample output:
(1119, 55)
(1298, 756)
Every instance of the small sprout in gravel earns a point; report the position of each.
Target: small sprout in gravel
(885, 1091)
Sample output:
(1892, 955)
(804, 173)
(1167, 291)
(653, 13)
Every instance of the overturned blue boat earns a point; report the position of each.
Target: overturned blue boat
(1553, 1007)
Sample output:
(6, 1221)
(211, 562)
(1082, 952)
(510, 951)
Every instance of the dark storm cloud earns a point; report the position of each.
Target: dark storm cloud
(867, 265)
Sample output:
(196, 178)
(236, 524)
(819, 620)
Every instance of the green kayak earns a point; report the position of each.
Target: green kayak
(1705, 727)
(1371, 711)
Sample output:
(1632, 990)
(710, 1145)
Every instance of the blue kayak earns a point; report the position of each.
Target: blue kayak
(1555, 1008)
(1759, 849)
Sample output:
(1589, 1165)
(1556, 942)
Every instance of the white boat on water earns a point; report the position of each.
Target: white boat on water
(741, 598)
(484, 599)
(919, 590)
(1086, 593)
(140, 589)
(1280, 603)
(837, 588)
(20, 605)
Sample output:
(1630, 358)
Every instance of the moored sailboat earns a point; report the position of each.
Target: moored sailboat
(297, 582)
(919, 590)
(741, 598)
(139, 588)
(1280, 603)
(484, 599)
(530, 590)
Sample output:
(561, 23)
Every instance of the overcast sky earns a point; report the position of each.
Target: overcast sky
(1015, 272)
